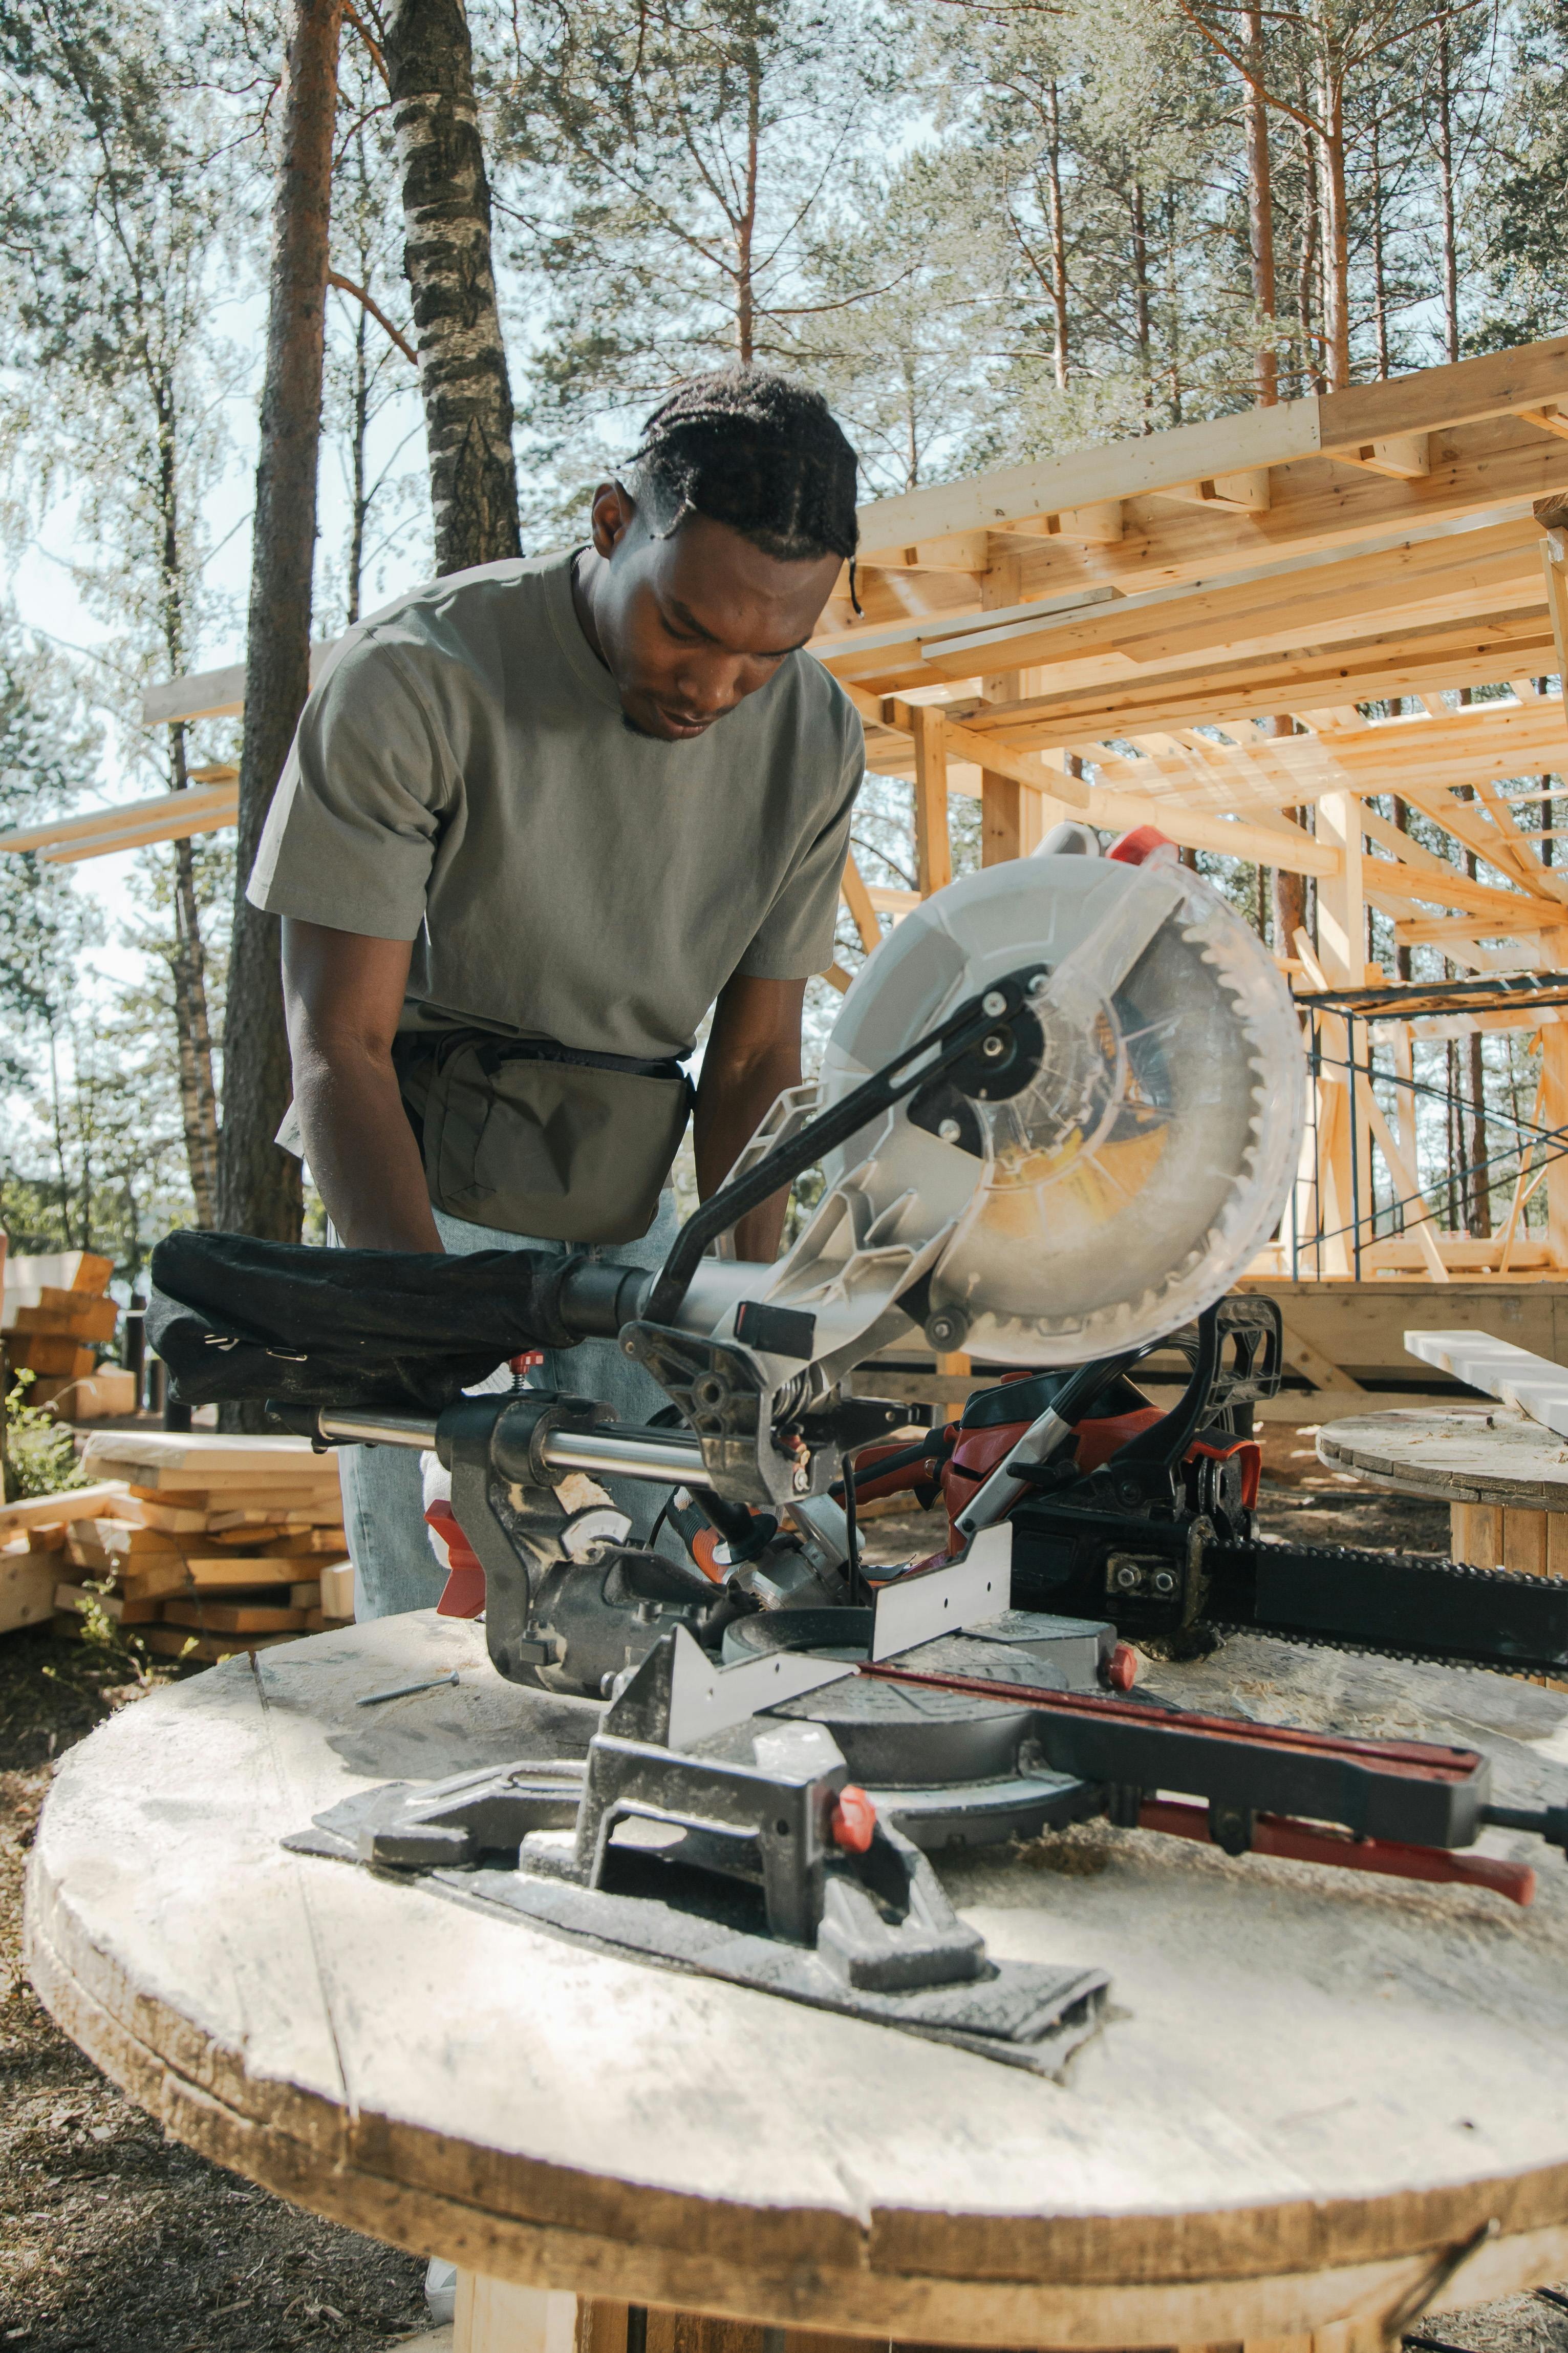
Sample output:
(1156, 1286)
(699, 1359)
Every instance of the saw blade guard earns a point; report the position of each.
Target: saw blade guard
(1130, 1179)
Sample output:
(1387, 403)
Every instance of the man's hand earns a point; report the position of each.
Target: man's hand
(342, 993)
(753, 1054)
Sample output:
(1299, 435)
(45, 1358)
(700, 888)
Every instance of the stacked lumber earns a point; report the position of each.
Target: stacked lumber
(55, 1311)
(32, 1538)
(216, 1543)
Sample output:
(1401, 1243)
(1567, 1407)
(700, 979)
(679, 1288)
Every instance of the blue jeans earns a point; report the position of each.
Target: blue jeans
(395, 1568)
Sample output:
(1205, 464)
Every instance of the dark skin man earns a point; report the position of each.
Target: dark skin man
(688, 625)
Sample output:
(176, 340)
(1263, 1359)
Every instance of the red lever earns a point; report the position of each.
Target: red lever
(1141, 843)
(464, 1595)
(1316, 1842)
(518, 1365)
(1119, 1671)
(853, 1821)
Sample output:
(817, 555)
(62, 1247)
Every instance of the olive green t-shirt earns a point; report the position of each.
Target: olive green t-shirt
(462, 777)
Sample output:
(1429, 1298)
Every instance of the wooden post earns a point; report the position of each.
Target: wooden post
(934, 848)
(1012, 817)
(1341, 952)
(1341, 903)
(1551, 514)
(496, 2316)
(1555, 1114)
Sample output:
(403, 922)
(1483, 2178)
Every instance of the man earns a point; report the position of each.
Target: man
(538, 817)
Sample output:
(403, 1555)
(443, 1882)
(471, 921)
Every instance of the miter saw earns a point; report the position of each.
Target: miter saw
(1059, 1110)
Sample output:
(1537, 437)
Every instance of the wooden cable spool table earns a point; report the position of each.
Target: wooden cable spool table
(1503, 1477)
(1320, 2104)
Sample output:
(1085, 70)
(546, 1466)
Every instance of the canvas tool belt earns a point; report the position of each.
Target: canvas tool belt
(533, 1138)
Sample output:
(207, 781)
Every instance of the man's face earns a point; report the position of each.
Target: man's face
(691, 625)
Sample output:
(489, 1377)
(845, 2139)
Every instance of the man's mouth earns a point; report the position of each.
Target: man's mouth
(682, 723)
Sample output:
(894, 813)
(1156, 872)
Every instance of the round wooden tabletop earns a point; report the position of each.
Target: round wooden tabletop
(1319, 2097)
(1479, 1454)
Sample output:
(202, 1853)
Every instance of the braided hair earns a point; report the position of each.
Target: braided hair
(757, 451)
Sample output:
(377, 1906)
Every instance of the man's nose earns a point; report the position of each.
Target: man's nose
(713, 685)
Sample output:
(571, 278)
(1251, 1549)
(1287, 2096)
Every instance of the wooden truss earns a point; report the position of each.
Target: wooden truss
(1181, 629)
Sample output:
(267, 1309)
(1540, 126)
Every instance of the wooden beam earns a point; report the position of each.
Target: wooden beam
(1404, 884)
(1244, 493)
(1549, 416)
(964, 744)
(933, 847)
(94, 833)
(856, 898)
(1098, 525)
(1149, 462)
(1297, 852)
(1274, 606)
(1118, 812)
(1227, 693)
(1474, 391)
(1404, 457)
(1501, 382)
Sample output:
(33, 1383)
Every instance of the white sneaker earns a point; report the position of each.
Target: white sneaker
(441, 2290)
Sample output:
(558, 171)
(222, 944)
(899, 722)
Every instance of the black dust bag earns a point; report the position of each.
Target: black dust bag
(237, 1321)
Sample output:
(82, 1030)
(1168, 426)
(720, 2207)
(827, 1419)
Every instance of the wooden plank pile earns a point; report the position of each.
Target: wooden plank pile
(209, 1544)
(55, 1308)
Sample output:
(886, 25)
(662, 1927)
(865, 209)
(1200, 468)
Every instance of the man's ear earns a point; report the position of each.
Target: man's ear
(612, 514)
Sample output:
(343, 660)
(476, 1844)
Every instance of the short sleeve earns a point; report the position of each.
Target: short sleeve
(796, 937)
(350, 838)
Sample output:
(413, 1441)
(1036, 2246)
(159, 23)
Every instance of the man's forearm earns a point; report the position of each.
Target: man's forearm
(730, 1104)
(361, 1149)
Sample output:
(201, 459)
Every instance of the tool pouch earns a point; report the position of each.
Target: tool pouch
(536, 1138)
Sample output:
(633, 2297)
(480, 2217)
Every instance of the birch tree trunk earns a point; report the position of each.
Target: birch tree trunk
(187, 956)
(1260, 209)
(1336, 229)
(446, 255)
(1061, 355)
(1445, 192)
(258, 1185)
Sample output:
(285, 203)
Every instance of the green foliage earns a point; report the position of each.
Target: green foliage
(39, 1457)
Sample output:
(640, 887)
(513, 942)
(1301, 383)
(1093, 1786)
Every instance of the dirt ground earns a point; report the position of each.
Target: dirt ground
(113, 2239)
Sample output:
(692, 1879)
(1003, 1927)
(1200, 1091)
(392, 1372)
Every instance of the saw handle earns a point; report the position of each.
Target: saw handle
(1315, 1842)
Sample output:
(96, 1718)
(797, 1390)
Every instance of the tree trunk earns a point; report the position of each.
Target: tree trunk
(188, 965)
(1379, 273)
(258, 1185)
(746, 226)
(1336, 230)
(1402, 819)
(1311, 372)
(446, 254)
(1446, 193)
(1140, 293)
(1060, 352)
(1480, 1148)
(360, 434)
(1260, 211)
(187, 960)
(1289, 902)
